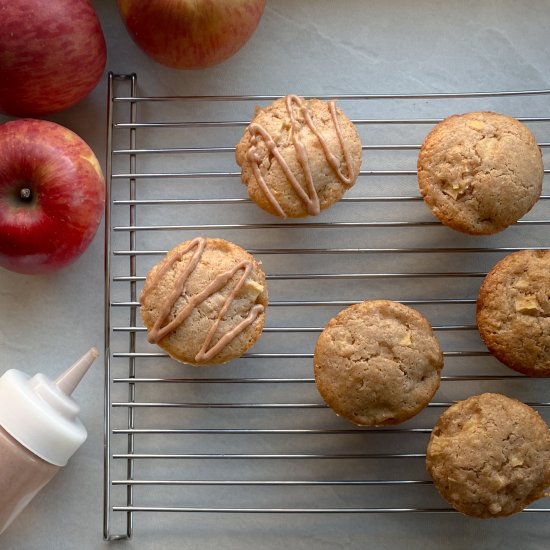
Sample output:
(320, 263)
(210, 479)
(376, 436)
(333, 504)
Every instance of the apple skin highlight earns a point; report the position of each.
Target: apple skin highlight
(191, 34)
(52, 196)
(52, 55)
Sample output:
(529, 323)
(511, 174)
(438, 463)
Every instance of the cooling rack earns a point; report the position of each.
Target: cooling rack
(253, 437)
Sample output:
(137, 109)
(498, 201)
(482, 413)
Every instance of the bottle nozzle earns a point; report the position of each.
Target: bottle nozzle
(70, 379)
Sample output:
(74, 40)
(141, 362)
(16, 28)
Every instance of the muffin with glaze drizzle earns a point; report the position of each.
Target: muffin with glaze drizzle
(205, 302)
(299, 156)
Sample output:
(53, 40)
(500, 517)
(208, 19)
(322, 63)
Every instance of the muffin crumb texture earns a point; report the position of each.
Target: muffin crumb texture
(299, 156)
(489, 456)
(480, 172)
(513, 311)
(377, 363)
(205, 302)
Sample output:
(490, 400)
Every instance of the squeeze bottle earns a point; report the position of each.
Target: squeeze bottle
(39, 432)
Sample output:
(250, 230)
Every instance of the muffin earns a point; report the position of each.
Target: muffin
(377, 363)
(298, 156)
(489, 456)
(205, 302)
(513, 311)
(480, 172)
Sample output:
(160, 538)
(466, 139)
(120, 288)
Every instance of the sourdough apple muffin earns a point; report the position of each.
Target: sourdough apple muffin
(489, 456)
(480, 172)
(299, 156)
(513, 311)
(377, 363)
(205, 302)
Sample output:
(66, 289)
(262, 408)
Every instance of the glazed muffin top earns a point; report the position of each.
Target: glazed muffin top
(204, 303)
(298, 156)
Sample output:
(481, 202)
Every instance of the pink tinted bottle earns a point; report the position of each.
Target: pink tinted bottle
(39, 432)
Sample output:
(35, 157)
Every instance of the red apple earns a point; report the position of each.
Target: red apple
(191, 34)
(52, 195)
(52, 54)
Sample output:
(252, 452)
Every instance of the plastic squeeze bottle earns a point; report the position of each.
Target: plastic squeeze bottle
(39, 432)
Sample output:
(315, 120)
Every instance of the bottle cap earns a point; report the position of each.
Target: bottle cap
(40, 414)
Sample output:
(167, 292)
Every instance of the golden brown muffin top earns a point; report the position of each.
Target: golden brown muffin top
(377, 362)
(480, 172)
(489, 455)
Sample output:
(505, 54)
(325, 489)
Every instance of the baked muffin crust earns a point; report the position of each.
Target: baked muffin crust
(298, 156)
(513, 311)
(489, 456)
(377, 363)
(480, 172)
(205, 302)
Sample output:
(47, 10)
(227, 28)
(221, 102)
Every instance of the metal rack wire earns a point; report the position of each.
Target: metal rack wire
(254, 437)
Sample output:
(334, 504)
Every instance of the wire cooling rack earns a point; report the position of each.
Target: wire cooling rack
(254, 437)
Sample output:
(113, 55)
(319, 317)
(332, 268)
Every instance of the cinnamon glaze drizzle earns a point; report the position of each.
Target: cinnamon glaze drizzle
(309, 196)
(158, 331)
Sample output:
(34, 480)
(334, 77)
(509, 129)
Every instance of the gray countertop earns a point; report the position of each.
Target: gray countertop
(308, 47)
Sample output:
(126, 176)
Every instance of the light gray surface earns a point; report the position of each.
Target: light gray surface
(311, 47)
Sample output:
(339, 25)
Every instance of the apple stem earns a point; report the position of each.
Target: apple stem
(25, 194)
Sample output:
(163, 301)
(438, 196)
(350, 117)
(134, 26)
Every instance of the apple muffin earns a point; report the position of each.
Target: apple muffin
(489, 456)
(480, 172)
(205, 302)
(513, 311)
(299, 156)
(377, 363)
